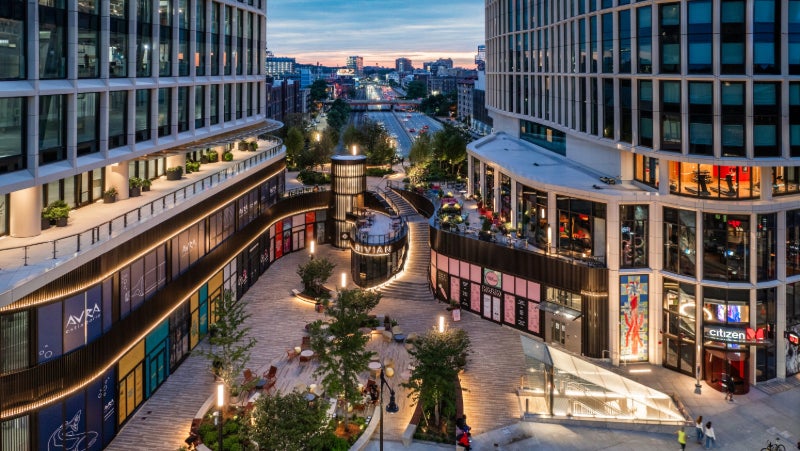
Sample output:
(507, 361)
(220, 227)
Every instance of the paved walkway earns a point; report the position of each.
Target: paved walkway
(492, 374)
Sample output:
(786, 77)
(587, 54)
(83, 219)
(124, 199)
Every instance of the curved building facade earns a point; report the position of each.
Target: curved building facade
(660, 141)
(95, 94)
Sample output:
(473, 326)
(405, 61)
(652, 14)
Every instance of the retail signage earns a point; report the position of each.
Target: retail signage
(492, 278)
(371, 250)
(792, 337)
(726, 334)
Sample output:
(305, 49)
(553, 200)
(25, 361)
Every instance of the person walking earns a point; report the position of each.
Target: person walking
(711, 439)
(730, 387)
(698, 429)
(682, 438)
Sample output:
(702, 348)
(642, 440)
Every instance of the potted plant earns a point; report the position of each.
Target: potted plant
(135, 187)
(253, 146)
(213, 156)
(227, 156)
(174, 173)
(146, 184)
(243, 145)
(57, 212)
(110, 195)
(485, 234)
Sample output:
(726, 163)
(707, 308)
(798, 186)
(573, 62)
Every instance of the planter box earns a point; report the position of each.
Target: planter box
(109, 199)
(45, 224)
(135, 192)
(61, 222)
(146, 188)
(174, 175)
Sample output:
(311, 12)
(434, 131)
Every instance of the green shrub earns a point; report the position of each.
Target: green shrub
(378, 172)
(213, 156)
(308, 177)
(227, 156)
(135, 182)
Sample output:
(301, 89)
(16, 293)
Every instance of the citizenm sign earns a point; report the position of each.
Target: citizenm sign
(734, 335)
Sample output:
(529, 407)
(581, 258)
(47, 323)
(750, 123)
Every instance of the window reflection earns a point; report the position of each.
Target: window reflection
(12, 39)
(52, 129)
(88, 116)
(164, 111)
(183, 108)
(680, 250)
(142, 115)
(214, 97)
(720, 182)
(199, 106)
(793, 243)
(52, 39)
(88, 42)
(12, 131)
(144, 39)
(726, 247)
(117, 118)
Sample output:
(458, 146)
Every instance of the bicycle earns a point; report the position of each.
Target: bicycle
(777, 446)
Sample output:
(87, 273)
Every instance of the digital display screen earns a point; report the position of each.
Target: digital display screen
(731, 313)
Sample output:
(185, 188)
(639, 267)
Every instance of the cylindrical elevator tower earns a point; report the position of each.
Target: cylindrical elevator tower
(348, 184)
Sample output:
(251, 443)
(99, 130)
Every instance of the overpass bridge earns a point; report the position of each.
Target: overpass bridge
(376, 105)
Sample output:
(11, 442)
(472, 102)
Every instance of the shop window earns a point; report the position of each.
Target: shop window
(718, 182)
(726, 247)
(680, 249)
(633, 236)
(792, 242)
(766, 247)
(581, 228)
(678, 327)
(645, 170)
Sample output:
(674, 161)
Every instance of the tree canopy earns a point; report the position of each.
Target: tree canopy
(314, 273)
(294, 143)
(289, 422)
(318, 90)
(416, 89)
(339, 114)
(438, 357)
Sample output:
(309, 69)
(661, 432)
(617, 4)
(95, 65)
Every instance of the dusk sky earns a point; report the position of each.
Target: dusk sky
(327, 31)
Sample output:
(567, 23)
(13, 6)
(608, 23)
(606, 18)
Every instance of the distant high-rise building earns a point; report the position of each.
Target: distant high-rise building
(480, 57)
(356, 64)
(434, 66)
(280, 65)
(403, 65)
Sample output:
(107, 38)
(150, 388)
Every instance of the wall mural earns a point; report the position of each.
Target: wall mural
(633, 323)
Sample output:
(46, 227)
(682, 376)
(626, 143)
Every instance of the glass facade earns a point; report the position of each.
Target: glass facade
(12, 39)
(88, 117)
(52, 128)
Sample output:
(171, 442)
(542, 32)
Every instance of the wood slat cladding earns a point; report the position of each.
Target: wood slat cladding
(92, 272)
(550, 271)
(26, 390)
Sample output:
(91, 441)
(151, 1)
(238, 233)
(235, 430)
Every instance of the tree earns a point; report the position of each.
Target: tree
(313, 274)
(416, 89)
(294, 143)
(321, 151)
(230, 341)
(342, 347)
(351, 136)
(421, 151)
(339, 114)
(318, 91)
(289, 422)
(438, 357)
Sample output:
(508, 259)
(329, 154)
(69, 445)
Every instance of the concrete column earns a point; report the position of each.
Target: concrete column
(469, 175)
(26, 212)
(117, 178)
(180, 160)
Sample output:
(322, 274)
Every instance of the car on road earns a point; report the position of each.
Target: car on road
(411, 130)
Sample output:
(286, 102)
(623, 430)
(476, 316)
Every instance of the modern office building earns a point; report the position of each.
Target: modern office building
(94, 317)
(646, 154)
(403, 65)
(280, 65)
(356, 64)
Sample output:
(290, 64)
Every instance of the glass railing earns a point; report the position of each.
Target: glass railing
(51, 253)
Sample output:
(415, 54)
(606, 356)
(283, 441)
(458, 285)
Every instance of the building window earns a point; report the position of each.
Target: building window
(680, 249)
(13, 47)
(199, 106)
(88, 116)
(793, 307)
(766, 36)
(680, 317)
(732, 36)
(720, 182)
(88, 39)
(183, 108)
(733, 121)
(608, 43)
(215, 50)
(646, 113)
(532, 217)
(214, 97)
(144, 38)
(544, 136)
(228, 99)
(793, 244)
(165, 38)
(644, 40)
(671, 115)
(624, 19)
(766, 119)
(117, 119)
(581, 228)
(200, 37)
(794, 119)
(794, 37)
(164, 111)
(239, 100)
(766, 319)
(699, 36)
(785, 180)
(726, 247)
(609, 106)
(52, 128)
(701, 118)
(766, 247)
(227, 58)
(12, 133)
(52, 40)
(625, 112)
(633, 236)
(118, 39)
(670, 38)
(645, 170)
(142, 115)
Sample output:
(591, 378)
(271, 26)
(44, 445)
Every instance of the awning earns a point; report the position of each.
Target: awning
(228, 137)
(728, 355)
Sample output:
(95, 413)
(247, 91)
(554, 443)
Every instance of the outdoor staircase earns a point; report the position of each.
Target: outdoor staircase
(413, 283)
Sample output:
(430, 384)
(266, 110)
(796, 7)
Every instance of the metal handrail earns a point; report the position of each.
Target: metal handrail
(75, 244)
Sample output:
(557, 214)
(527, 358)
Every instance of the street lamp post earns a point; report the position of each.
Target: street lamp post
(391, 407)
(220, 404)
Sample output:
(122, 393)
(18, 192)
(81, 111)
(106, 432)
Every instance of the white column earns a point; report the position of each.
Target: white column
(117, 178)
(26, 212)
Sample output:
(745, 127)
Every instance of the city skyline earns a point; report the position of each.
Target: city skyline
(417, 30)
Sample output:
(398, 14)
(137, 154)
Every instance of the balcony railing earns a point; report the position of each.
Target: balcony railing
(55, 252)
